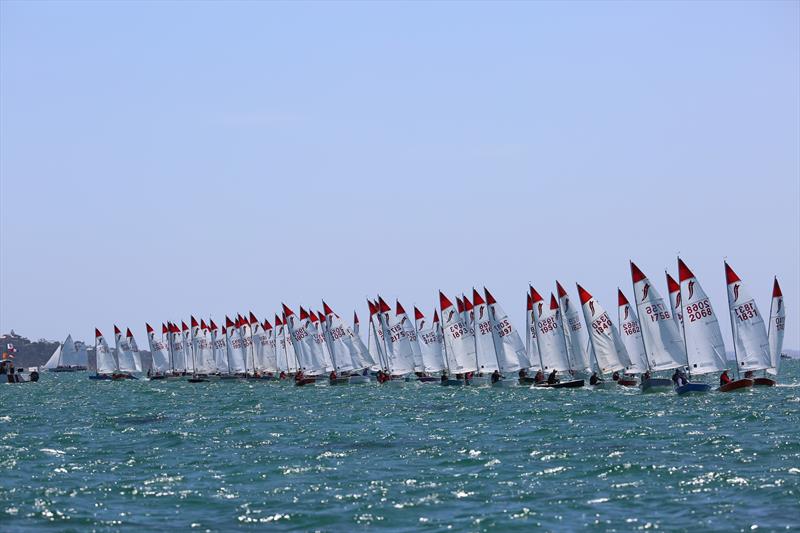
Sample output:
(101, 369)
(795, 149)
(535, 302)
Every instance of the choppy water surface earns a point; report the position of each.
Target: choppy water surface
(140, 455)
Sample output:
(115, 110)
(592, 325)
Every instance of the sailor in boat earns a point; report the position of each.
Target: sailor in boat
(749, 374)
(298, 377)
(615, 376)
(495, 376)
(332, 377)
(646, 375)
(523, 373)
(552, 379)
(282, 376)
(539, 377)
(594, 380)
(679, 378)
(444, 376)
(724, 378)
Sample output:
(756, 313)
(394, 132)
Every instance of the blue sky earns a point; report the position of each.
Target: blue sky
(160, 159)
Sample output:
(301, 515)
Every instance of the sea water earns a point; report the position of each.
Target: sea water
(140, 455)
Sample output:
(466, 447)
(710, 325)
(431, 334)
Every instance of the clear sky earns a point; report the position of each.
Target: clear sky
(160, 159)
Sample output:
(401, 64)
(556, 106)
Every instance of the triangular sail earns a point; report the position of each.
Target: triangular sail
(549, 335)
(531, 343)
(458, 338)
(749, 330)
(575, 333)
(663, 340)
(137, 358)
(398, 348)
(704, 345)
(487, 360)
(631, 334)
(411, 335)
(159, 351)
(430, 342)
(777, 322)
(606, 343)
(105, 359)
(55, 359)
(124, 353)
(511, 353)
(235, 348)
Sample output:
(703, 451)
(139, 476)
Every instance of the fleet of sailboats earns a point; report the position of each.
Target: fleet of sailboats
(471, 342)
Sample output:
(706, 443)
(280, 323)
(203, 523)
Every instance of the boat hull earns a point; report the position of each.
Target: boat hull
(693, 388)
(359, 380)
(653, 385)
(305, 381)
(764, 382)
(453, 382)
(627, 382)
(339, 381)
(429, 379)
(479, 381)
(505, 383)
(67, 369)
(605, 385)
(738, 385)
(571, 384)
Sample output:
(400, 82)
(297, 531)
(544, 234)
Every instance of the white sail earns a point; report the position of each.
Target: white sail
(219, 346)
(317, 329)
(631, 334)
(55, 359)
(285, 359)
(158, 351)
(398, 347)
(265, 348)
(235, 347)
(375, 337)
(549, 335)
(458, 338)
(124, 354)
(487, 360)
(430, 342)
(531, 342)
(674, 289)
(749, 330)
(511, 353)
(663, 340)
(609, 351)
(307, 346)
(137, 357)
(704, 345)
(411, 335)
(777, 322)
(186, 343)
(178, 351)
(204, 350)
(577, 337)
(340, 341)
(105, 359)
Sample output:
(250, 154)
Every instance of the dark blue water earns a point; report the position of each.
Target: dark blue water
(79, 455)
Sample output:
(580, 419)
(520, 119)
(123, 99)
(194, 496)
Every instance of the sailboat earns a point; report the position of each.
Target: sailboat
(609, 352)
(159, 352)
(750, 340)
(705, 348)
(431, 339)
(662, 336)
(631, 332)
(578, 344)
(551, 343)
(107, 366)
(512, 355)
(777, 323)
(459, 343)
(126, 361)
(68, 356)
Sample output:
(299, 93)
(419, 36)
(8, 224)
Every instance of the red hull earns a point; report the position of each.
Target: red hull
(739, 384)
(305, 381)
(764, 382)
(627, 382)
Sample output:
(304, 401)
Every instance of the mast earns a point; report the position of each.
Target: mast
(591, 339)
(563, 335)
(683, 326)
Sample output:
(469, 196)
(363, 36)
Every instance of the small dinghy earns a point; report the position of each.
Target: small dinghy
(197, 379)
(653, 385)
(571, 384)
(627, 382)
(527, 381)
(693, 388)
(764, 382)
(429, 379)
(339, 381)
(605, 385)
(505, 383)
(450, 382)
(738, 385)
(302, 382)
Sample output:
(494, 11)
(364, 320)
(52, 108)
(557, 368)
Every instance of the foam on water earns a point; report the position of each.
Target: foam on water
(80, 454)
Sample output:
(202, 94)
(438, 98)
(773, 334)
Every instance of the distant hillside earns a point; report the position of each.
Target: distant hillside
(36, 353)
